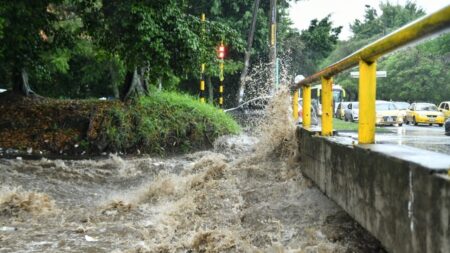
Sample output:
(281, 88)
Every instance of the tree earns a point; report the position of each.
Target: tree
(418, 74)
(393, 16)
(77, 48)
(27, 32)
(370, 26)
(250, 37)
(153, 38)
(311, 46)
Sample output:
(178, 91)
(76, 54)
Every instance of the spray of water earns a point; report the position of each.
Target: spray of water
(277, 132)
(15, 202)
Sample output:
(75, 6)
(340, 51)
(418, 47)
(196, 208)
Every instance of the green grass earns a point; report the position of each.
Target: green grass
(166, 122)
(341, 125)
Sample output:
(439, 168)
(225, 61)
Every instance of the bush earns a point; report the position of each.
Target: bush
(166, 122)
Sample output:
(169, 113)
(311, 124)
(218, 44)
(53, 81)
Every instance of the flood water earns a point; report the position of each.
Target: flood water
(247, 194)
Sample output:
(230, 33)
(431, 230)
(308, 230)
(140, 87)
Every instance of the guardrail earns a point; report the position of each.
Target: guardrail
(366, 57)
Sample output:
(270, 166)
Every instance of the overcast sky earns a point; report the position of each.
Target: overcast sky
(344, 12)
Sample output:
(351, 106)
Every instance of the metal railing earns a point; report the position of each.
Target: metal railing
(366, 58)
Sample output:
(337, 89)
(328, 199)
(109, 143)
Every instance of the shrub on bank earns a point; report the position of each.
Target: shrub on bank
(166, 122)
(162, 123)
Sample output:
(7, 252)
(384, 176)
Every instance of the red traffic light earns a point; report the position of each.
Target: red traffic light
(221, 52)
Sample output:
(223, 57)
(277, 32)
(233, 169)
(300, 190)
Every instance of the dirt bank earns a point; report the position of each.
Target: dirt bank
(164, 123)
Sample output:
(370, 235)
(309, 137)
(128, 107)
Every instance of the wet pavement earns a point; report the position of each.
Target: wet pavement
(431, 138)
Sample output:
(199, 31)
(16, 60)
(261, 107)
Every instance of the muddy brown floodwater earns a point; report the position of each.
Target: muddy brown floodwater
(245, 195)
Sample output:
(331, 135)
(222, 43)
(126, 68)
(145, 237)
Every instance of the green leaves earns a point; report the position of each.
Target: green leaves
(310, 47)
(79, 48)
(417, 74)
(58, 59)
(2, 24)
(393, 16)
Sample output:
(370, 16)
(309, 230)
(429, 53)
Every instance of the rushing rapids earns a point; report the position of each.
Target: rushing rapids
(245, 195)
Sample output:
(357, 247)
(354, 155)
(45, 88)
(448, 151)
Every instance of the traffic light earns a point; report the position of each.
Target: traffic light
(221, 52)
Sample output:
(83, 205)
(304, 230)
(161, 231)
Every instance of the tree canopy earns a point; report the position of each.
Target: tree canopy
(95, 48)
(310, 47)
(27, 32)
(103, 41)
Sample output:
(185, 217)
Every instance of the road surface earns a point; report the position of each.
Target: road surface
(431, 138)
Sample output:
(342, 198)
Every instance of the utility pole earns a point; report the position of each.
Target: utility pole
(273, 44)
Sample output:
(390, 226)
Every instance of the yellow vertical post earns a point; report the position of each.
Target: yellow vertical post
(202, 68)
(306, 112)
(221, 78)
(203, 17)
(295, 105)
(327, 106)
(202, 91)
(221, 95)
(202, 84)
(367, 96)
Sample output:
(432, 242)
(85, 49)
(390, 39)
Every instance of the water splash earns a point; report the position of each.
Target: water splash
(242, 196)
(277, 132)
(14, 202)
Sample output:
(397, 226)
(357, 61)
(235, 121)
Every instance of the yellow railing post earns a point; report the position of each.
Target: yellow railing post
(367, 96)
(295, 105)
(327, 106)
(306, 111)
(366, 57)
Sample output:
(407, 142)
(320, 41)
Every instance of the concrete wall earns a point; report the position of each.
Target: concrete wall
(403, 203)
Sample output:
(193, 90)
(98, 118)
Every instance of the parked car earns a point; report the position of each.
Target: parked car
(340, 110)
(352, 112)
(424, 113)
(388, 114)
(447, 127)
(444, 107)
(402, 107)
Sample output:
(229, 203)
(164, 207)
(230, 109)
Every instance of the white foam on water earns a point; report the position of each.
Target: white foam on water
(245, 195)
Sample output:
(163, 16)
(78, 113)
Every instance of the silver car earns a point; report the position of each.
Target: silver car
(352, 112)
(340, 110)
